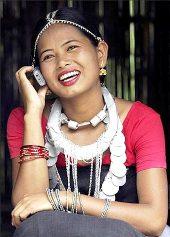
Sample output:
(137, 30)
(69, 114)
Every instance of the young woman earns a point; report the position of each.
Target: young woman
(106, 155)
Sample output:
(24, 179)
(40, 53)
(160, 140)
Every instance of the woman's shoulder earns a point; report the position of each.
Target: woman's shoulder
(16, 113)
(136, 110)
(18, 110)
(123, 108)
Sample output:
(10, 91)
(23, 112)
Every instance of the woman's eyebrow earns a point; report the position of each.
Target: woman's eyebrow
(45, 51)
(69, 41)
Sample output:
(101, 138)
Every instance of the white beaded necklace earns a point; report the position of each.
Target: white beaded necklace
(101, 116)
(113, 138)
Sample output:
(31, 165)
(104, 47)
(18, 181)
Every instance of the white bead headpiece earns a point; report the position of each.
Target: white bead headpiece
(50, 21)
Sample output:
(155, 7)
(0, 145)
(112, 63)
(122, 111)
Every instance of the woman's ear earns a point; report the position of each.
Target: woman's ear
(102, 53)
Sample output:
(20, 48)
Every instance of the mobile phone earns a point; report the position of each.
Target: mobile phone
(36, 77)
(39, 77)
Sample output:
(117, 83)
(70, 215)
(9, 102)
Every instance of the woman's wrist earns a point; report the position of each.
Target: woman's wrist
(66, 199)
(33, 116)
(33, 134)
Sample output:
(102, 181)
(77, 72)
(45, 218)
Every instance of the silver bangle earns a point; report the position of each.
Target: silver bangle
(81, 205)
(54, 200)
(51, 200)
(67, 204)
(74, 202)
(107, 203)
(61, 208)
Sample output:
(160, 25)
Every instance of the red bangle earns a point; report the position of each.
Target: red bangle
(31, 152)
(29, 158)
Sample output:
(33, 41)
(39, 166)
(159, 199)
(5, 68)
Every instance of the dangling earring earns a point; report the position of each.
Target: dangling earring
(103, 72)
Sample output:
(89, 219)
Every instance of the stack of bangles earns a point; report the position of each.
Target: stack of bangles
(32, 152)
(76, 205)
(54, 199)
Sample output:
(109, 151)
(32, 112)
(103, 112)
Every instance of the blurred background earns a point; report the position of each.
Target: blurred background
(138, 35)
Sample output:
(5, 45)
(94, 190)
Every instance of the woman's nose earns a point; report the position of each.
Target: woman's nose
(63, 62)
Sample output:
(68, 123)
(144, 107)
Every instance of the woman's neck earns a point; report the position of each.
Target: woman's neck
(84, 107)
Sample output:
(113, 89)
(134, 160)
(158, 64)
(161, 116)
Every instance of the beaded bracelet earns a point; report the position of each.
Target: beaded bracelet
(54, 199)
(74, 202)
(61, 208)
(76, 199)
(81, 205)
(67, 208)
(107, 203)
(51, 200)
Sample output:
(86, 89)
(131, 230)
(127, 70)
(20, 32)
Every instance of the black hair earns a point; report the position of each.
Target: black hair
(68, 14)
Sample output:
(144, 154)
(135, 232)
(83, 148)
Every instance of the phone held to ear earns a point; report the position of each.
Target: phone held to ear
(39, 77)
(36, 76)
(37, 80)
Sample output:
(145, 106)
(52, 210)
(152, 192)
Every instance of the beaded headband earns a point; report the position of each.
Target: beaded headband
(50, 21)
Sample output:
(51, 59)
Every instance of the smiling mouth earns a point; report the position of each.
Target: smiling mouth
(68, 76)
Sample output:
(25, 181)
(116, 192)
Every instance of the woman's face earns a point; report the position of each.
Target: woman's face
(69, 62)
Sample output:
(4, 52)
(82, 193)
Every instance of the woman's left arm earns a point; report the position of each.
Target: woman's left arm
(150, 215)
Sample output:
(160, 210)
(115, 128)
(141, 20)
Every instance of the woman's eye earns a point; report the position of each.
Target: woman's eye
(72, 47)
(47, 57)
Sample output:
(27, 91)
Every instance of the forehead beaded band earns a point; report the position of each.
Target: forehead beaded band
(50, 21)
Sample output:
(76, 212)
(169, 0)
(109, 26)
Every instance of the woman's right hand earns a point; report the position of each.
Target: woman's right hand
(29, 205)
(33, 101)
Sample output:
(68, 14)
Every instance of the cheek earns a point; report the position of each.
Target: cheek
(43, 68)
(93, 65)
(91, 61)
(46, 71)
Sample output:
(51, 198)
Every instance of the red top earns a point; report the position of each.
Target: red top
(142, 127)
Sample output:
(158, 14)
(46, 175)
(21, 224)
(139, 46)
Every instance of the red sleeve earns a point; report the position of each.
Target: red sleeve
(15, 130)
(148, 140)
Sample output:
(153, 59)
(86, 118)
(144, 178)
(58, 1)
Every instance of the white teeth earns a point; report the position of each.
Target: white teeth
(69, 74)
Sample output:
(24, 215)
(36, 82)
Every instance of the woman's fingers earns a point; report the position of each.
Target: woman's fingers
(21, 72)
(17, 214)
(23, 82)
(21, 205)
(30, 205)
(22, 215)
(32, 99)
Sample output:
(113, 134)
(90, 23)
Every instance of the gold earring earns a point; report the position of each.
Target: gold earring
(103, 72)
